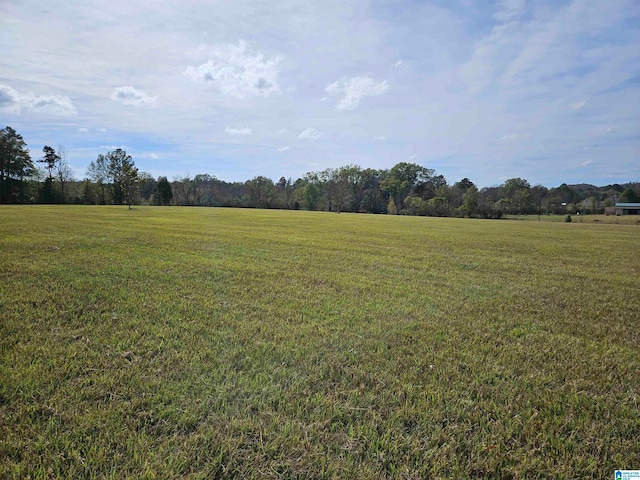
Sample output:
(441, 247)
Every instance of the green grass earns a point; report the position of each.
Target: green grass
(227, 343)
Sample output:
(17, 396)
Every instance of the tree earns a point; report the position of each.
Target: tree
(88, 197)
(404, 179)
(284, 193)
(15, 165)
(147, 186)
(628, 196)
(391, 207)
(163, 191)
(464, 184)
(118, 171)
(126, 177)
(203, 189)
(516, 196)
(568, 194)
(65, 174)
(369, 197)
(47, 193)
(470, 200)
(488, 203)
(337, 188)
(261, 191)
(437, 207)
(97, 172)
(311, 191)
(538, 195)
(50, 159)
(455, 196)
(416, 206)
(184, 190)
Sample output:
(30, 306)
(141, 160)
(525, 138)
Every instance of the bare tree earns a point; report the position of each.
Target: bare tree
(65, 174)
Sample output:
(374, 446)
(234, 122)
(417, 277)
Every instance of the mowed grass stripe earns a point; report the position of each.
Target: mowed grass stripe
(167, 342)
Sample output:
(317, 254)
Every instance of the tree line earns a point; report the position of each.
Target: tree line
(406, 188)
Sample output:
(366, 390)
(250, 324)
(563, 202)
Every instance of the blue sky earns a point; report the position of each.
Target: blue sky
(544, 90)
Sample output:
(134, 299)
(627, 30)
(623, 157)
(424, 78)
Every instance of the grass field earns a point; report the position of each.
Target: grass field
(228, 343)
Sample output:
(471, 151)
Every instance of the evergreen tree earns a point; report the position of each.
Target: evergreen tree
(15, 165)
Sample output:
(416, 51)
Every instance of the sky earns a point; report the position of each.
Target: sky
(548, 91)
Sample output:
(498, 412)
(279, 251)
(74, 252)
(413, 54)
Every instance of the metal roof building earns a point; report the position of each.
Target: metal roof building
(627, 208)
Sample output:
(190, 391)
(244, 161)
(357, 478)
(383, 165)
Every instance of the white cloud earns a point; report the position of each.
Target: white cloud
(509, 10)
(399, 63)
(127, 95)
(8, 96)
(102, 130)
(588, 162)
(490, 51)
(238, 131)
(14, 102)
(511, 136)
(113, 147)
(309, 134)
(413, 156)
(284, 149)
(536, 48)
(236, 71)
(579, 105)
(514, 136)
(282, 131)
(380, 138)
(353, 90)
(83, 130)
(150, 155)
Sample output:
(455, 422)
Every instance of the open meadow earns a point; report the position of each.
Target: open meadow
(229, 343)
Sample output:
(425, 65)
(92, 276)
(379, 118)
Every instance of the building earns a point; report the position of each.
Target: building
(627, 208)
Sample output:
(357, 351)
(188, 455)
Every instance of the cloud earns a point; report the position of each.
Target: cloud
(113, 147)
(584, 164)
(284, 149)
(309, 134)
(579, 105)
(8, 96)
(235, 70)
(509, 10)
(380, 138)
(354, 89)
(150, 155)
(535, 49)
(413, 156)
(511, 136)
(238, 131)
(127, 95)
(282, 131)
(490, 51)
(514, 136)
(14, 102)
(83, 130)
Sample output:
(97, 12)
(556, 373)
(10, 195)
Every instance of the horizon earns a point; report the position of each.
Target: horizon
(540, 90)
